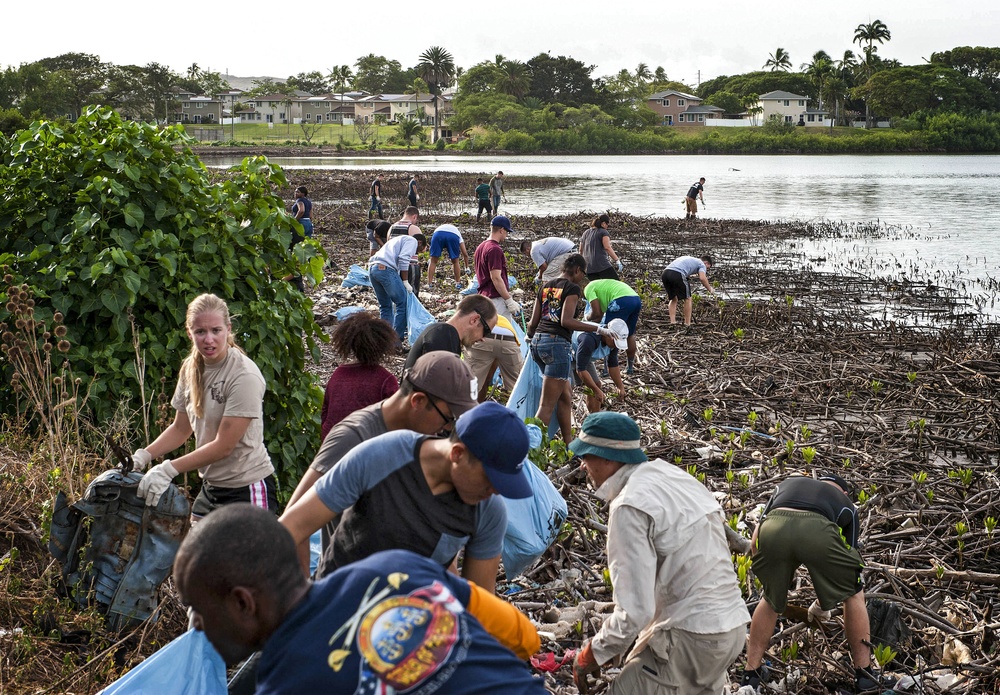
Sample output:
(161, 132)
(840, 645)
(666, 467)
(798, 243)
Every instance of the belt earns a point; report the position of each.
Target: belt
(494, 336)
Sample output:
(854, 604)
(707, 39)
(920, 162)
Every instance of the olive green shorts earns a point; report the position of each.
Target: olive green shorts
(790, 538)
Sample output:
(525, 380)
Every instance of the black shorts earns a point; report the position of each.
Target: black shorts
(675, 284)
(607, 274)
(263, 493)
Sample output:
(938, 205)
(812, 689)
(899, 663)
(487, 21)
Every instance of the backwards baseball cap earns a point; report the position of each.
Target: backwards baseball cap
(496, 436)
(834, 478)
(620, 329)
(613, 436)
(501, 221)
(443, 375)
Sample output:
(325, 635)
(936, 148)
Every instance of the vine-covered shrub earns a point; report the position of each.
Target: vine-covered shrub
(115, 223)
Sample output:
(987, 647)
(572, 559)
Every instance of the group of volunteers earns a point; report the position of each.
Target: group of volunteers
(407, 492)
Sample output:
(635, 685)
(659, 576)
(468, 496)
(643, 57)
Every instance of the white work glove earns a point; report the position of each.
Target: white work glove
(408, 286)
(605, 332)
(619, 265)
(141, 460)
(417, 196)
(816, 612)
(512, 306)
(156, 481)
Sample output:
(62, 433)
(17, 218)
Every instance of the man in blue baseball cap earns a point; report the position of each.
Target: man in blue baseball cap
(430, 495)
(666, 541)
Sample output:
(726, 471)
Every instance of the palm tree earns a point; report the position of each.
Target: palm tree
(408, 128)
(820, 70)
(437, 67)
(194, 71)
(514, 79)
(779, 60)
(341, 76)
(419, 87)
(642, 73)
(866, 35)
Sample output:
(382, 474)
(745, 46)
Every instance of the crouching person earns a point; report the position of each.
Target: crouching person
(676, 593)
(392, 622)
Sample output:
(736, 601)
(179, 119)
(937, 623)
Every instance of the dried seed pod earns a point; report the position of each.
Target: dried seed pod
(57, 317)
(60, 331)
(63, 346)
(57, 380)
(47, 347)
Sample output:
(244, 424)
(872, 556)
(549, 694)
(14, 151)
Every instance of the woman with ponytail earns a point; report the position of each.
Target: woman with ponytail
(220, 399)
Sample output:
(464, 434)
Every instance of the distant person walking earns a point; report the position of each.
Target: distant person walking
(595, 247)
(696, 191)
(483, 197)
(496, 191)
(411, 190)
(376, 195)
(675, 282)
(302, 210)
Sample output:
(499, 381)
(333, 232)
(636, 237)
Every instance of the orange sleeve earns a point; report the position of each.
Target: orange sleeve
(507, 624)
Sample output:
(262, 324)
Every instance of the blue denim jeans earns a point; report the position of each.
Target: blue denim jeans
(391, 296)
(553, 355)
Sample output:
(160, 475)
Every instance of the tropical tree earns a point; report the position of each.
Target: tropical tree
(752, 107)
(866, 36)
(408, 128)
(419, 87)
(642, 74)
(514, 79)
(193, 71)
(779, 60)
(820, 69)
(437, 67)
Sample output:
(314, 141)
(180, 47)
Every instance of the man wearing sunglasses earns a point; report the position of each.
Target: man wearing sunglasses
(434, 496)
(436, 390)
(472, 321)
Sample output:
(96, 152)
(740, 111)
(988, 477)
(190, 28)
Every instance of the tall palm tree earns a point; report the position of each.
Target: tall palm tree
(419, 87)
(866, 35)
(779, 60)
(437, 67)
(819, 70)
(341, 76)
(642, 73)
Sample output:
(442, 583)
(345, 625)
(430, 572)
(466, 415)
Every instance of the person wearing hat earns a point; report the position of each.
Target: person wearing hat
(431, 495)
(447, 236)
(392, 622)
(491, 268)
(811, 522)
(593, 346)
(676, 593)
(553, 320)
(437, 389)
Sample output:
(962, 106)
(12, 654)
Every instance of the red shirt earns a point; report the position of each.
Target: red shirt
(352, 387)
(488, 257)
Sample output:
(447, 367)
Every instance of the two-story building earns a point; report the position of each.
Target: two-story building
(328, 108)
(187, 107)
(678, 108)
(790, 108)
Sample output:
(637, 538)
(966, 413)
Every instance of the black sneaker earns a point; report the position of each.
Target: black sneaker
(867, 681)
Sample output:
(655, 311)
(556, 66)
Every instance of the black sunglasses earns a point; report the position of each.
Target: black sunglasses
(486, 326)
(448, 419)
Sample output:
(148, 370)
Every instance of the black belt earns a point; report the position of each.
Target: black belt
(494, 336)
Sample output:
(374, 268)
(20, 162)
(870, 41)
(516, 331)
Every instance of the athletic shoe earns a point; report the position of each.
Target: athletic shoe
(459, 286)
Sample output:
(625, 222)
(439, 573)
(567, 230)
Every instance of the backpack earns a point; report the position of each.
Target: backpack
(114, 549)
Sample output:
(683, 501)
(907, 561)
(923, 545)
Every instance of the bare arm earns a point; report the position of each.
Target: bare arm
(231, 430)
(566, 318)
(589, 382)
(596, 312)
(616, 377)
(308, 479)
(176, 434)
(465, 255)
(705, 282)
(606, 242)
(303, 519)
(536, 315)
(482, 572)
(496, 275)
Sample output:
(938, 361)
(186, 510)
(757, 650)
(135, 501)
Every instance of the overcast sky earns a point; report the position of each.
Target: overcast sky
(278, 39)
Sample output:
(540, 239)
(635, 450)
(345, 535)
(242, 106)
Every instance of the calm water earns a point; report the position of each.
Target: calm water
(948, 204)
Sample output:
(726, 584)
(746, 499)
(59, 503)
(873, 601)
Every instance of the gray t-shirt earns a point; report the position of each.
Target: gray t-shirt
(687, 266)
(592, 248)
(544, 250)
(233, 388)
(359, 426)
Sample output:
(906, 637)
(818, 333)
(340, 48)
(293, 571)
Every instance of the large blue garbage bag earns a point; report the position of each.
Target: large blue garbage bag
(187, 666)
(417, 317)
(533, 523)
(356, 276)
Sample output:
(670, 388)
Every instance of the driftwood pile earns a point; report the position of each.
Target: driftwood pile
(889, 375)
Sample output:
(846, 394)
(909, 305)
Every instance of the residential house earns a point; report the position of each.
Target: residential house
(187, 107)
(790, 108)
(679, 108)
(274, 108)
(328, 108)
(368, 107)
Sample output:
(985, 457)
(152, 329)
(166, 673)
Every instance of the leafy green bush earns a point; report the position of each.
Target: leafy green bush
(114, 222)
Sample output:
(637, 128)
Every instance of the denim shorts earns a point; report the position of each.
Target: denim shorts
(553, 355)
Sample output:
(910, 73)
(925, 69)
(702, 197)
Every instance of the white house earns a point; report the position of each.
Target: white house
(790, 108)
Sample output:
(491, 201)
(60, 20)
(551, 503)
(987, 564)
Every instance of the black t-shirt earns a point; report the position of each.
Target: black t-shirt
(376, 188)
(693, 191)
(437, 336)
(552, 295)
(807, 494)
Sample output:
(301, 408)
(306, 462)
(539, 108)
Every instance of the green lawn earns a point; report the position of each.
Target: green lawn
(260, 133)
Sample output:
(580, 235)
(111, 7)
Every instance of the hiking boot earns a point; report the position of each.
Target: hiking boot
(867, 681)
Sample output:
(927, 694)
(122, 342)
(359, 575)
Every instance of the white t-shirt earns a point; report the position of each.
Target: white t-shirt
(233, 388)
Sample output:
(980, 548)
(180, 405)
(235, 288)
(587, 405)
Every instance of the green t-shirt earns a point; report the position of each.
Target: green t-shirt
(483, 191)
(606, 291)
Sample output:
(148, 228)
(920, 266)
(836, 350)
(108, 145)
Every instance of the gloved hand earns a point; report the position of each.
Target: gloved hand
(418, 196)
(605, 332)
(512, 306)
(141, 458)
(619, 265)
(584, 664)
(156, 481)
(408, 286)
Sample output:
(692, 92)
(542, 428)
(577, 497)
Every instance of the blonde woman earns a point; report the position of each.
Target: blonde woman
(220, 399)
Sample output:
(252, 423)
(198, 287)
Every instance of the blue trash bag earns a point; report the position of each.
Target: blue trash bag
(527, 392)
(417, 317)
(346, 311)
(356, 276)
(533, 523)
(473, 285)
(315, 551)
(187, 666)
